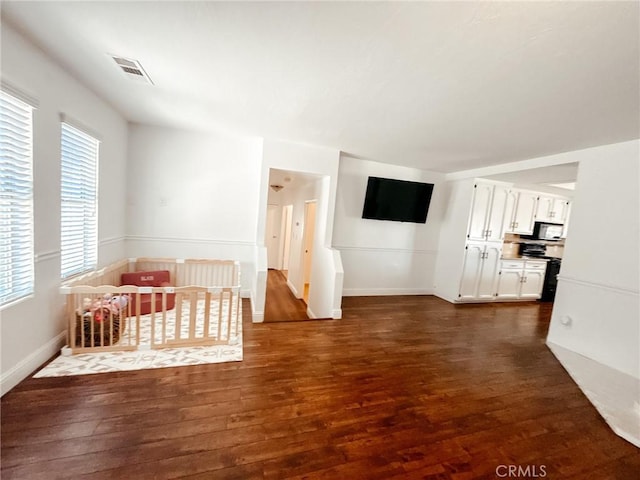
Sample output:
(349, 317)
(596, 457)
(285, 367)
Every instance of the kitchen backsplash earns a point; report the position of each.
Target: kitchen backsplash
(512, 242)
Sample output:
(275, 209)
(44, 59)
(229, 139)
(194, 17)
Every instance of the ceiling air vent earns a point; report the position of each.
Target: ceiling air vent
(132, 69)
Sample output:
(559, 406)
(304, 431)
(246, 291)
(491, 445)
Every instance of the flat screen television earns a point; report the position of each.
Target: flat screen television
(397, 200)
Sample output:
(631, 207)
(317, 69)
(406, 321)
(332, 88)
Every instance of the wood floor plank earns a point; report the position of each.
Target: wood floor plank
(281, 305)
(402, 387)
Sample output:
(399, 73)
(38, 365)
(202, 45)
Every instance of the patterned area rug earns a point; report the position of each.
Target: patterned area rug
(88, 363)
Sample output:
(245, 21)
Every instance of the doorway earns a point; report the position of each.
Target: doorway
(308, 238)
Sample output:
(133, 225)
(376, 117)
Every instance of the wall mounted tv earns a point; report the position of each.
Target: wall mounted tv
(397, 200)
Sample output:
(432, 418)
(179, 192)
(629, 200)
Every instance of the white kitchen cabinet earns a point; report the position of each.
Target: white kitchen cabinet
(480, 271)
(486, 220)
(520, 211)
(533, 282)
(552, 209)
(521, 279)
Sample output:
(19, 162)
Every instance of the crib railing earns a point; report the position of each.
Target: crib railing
(207, 307)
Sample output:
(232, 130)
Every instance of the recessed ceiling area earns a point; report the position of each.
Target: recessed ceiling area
(443, 86)
(555, 174)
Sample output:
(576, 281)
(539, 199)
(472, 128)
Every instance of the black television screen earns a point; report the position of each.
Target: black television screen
(397, 200)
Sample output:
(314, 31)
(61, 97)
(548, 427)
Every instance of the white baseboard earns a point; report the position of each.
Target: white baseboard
(337, 314)
(442, 297)
(256, 316)
(293, 289)
(245, 293)
(374, 292)
(30, 363)
(310, 313)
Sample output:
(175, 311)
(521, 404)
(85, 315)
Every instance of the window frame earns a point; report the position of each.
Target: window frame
(17, 272)
(79, 166)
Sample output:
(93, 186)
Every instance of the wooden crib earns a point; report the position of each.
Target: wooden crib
(104, 315)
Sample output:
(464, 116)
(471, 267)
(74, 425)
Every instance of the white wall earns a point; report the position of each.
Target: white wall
(384, 257)
(33, 329)
(193, 195)
(599, 281)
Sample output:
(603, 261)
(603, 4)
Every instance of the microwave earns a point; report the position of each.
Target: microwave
(547, 231)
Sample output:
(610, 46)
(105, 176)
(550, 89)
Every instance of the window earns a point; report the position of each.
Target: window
(16, 198)
(79, 210)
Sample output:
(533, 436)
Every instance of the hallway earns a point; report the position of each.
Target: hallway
(281, 305)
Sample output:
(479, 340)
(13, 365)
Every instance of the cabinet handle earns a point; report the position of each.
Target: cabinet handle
(488, 233)
(525, 279)
(515, 224)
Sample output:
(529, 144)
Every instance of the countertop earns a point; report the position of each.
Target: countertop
(520, 257)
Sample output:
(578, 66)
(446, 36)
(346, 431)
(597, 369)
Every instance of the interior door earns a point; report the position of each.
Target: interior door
(272, 240)
(309, 232)
(285, 237)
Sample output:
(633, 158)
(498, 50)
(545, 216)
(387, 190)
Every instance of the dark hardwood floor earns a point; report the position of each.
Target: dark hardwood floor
(280, 304)
(401, 388)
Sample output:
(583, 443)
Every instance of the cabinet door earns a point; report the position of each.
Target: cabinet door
(544, 209)
(558, 210)
(480, 208)
(495, 219)
(489, 268)
(509, 212)
(552, 209)
(532, 284)
(525, 214)
(561, 210)
(473, 257)
(509, 283)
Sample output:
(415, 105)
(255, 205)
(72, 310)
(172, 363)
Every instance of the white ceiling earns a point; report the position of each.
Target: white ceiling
(445, 86)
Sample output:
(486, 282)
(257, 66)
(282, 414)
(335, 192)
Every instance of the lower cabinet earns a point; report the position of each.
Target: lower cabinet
(521, 279)
(480, 271)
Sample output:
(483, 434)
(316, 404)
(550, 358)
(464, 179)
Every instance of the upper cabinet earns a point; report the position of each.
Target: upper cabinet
(488, 205)
(552, 209)
(520, 212)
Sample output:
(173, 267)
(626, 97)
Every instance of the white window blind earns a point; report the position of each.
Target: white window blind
(79, 198)
(16, 198)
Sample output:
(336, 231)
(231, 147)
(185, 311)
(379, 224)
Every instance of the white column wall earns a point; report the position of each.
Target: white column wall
(599, 281)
